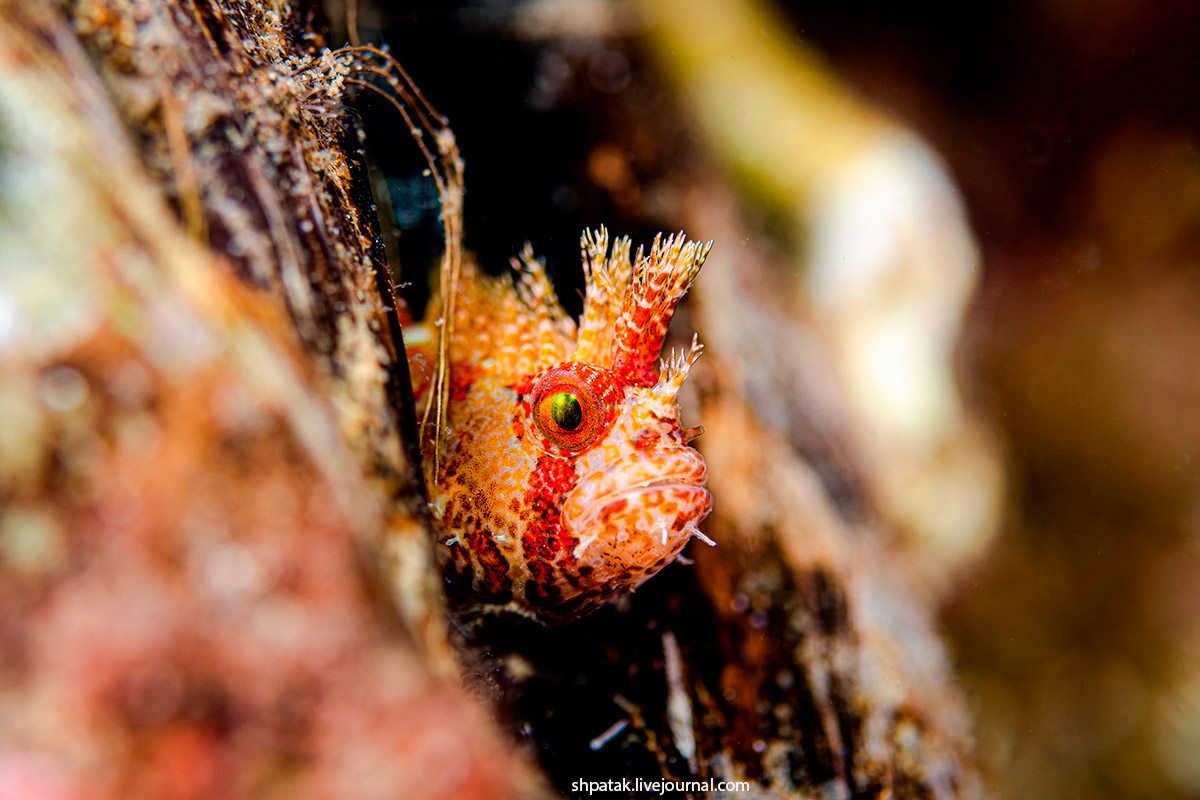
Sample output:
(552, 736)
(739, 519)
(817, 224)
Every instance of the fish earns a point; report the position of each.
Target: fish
(558, 473)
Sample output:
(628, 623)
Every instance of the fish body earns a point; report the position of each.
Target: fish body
(560, 475)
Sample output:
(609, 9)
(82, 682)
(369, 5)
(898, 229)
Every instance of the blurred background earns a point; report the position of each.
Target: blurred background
(1032, 412)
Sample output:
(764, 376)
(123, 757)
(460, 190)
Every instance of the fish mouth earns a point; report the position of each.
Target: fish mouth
(682, 483)
(637, 479)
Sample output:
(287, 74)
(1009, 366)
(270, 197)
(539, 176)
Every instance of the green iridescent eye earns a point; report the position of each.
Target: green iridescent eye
(566, 411)
(569, 413)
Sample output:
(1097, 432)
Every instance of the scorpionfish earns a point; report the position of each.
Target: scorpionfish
(560, 476)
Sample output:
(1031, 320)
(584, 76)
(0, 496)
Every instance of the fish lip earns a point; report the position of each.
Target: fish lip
(680, 469)
(582, 525)
(680, 481)
(683, 481)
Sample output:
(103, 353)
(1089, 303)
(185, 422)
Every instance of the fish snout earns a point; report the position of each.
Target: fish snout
(633, 517)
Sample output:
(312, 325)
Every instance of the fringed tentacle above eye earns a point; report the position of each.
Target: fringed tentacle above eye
(675, 368)
(607, 278)
(630, 303)
(548, 324)
(659, 281)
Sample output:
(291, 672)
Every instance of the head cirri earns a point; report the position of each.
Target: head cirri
(561, 476)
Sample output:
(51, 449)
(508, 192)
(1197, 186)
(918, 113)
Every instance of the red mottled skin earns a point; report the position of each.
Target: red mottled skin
(547, 520)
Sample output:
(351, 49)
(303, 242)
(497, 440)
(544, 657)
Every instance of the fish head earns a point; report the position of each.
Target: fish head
(570, 484)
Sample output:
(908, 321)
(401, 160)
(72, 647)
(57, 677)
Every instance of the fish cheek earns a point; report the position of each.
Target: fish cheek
(483, 514)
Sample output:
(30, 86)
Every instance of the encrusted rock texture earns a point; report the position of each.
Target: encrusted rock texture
(201, 475)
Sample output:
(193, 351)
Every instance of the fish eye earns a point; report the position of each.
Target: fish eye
(566, 411)
(571, 406)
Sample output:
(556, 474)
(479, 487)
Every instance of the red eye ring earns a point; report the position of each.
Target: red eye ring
(573, 406)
